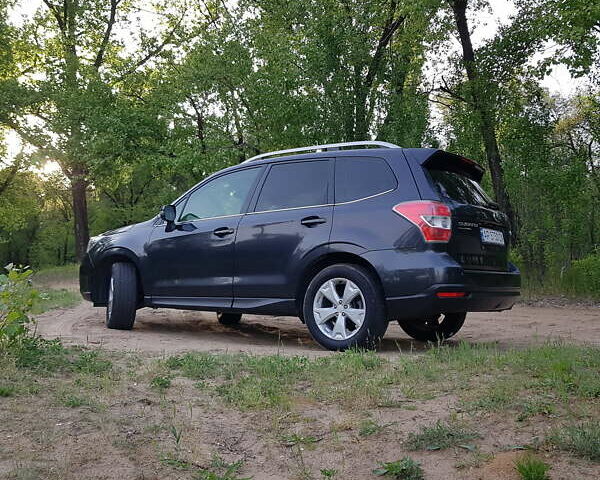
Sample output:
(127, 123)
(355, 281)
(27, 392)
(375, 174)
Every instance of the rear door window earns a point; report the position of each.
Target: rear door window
(293, 185)
(461, 189)
(361, 177)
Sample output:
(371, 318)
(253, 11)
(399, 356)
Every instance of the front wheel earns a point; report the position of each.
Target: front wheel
(435, 328)
(122, 296)
(344, 308)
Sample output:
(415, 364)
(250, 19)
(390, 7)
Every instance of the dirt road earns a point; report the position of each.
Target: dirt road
(172, 331)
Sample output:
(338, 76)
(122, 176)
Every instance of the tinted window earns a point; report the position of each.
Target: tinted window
(459, 188)
(360, 177)
(291, 185)
(224, 195)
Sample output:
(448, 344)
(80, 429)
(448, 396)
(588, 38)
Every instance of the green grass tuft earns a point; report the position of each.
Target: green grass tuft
(221, 470)
(582, 440)
(7, 390)
(405, 469)
(440, 436)
(532, 468)
(160, 382)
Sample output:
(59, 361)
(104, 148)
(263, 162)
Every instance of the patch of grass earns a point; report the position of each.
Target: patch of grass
(369, 427)
(531, 467)
(475, 460)
(198, 365)
(7, 390)
(71, 399)
(328, 472)
(91, 363)
(175, 462)
(254, 393)
(53, 275)
(160, 382)
(535, 406)
(35, 353)
(25, 473)
(221, 470)
(296, 439)
(582, 440)
(498, 396)
(439, 436)
(51, 299)
(500, 379)
(405, 469)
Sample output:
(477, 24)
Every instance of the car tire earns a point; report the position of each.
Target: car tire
(229, 318)
(122, 296)
(434, 329)
(337, 328)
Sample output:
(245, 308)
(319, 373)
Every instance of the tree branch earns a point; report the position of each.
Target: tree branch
(152, 53)
(109, 26)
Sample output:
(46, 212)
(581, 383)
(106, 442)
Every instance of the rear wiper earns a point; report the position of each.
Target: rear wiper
(494, 205)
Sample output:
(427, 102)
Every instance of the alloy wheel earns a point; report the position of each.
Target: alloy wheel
(339, 308)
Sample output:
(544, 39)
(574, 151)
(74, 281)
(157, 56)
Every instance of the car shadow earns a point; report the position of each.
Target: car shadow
(260, 331)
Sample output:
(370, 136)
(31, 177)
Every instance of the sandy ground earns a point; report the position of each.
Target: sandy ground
(172, 331)
(126, 439)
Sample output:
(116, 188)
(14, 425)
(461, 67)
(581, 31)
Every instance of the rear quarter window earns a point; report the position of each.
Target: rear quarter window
(360, 177)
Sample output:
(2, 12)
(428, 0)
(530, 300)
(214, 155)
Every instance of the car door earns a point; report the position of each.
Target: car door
(291, 216)
(193, 263)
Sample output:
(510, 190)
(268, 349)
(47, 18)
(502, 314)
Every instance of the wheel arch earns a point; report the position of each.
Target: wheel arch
(331, 257)
(102, 275)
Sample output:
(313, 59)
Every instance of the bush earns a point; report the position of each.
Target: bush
(583, 277)
(17, 297)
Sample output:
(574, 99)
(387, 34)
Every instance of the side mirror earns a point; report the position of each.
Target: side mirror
(168, 213)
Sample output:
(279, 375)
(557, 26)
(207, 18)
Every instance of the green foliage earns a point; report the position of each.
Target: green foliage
(405, 469)
(17, 297)
(583, 276)
(532, 468)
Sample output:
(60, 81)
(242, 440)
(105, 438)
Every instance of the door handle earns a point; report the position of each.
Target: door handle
(223, 231)
(312, 221)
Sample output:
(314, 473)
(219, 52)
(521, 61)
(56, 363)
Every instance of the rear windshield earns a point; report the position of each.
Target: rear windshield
(459, 188)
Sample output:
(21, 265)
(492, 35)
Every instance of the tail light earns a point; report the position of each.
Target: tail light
(434, 219)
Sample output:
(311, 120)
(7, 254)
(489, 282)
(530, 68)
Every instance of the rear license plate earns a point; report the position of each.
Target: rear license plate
(493, 237)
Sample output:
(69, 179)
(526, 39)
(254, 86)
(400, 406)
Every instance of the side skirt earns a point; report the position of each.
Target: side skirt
(259, 306)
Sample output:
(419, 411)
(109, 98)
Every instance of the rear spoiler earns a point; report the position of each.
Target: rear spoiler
(441, 160)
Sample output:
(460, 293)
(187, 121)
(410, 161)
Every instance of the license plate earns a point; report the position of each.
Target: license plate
(494, 237)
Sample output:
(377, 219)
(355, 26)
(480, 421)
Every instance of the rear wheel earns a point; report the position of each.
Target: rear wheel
(434, 328)
(122, 296)
(344, 307)
(229, 318)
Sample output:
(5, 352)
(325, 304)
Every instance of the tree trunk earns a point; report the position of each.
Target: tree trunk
(486, 116)
(80, 214)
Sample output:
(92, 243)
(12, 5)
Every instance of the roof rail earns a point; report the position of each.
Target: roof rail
(324, 148)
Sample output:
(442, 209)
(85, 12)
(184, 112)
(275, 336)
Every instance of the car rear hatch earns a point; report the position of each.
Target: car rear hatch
(480, 231)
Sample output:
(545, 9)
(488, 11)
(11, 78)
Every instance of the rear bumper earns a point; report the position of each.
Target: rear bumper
(411, 289)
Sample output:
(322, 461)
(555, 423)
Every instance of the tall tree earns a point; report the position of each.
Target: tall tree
(74, 58)
(478, 90)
